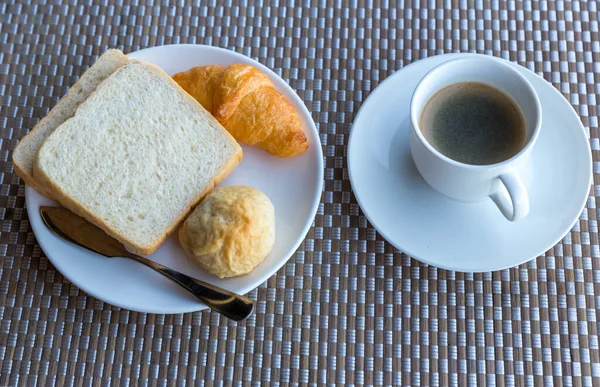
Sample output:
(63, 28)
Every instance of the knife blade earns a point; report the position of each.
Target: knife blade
(76, 229)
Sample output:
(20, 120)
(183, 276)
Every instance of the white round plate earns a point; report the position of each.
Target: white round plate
(293, 185)
(469, 237)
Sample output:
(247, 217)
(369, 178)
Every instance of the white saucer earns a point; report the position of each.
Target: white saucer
(470, 237)
(294, 186)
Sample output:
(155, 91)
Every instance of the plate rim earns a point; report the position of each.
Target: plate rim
(315, 200)
(385, 235)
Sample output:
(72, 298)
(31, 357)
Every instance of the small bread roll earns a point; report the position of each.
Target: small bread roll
(231, 231)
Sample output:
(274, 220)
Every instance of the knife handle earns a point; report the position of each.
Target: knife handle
(229, 304)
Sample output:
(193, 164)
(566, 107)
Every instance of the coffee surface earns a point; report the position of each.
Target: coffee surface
(473, 123)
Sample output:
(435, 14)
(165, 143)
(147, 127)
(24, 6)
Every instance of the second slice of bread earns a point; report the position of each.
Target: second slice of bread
(136, 156)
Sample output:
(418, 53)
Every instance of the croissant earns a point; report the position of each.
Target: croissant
(244, 100)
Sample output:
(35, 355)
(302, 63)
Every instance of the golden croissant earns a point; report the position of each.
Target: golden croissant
(244, 100)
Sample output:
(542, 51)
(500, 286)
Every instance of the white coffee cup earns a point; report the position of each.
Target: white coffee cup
(502, 182)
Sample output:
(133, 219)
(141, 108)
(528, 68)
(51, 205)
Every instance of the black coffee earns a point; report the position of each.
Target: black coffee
(473, 123)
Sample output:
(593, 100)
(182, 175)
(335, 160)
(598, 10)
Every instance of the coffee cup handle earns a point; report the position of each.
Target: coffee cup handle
(512, 201)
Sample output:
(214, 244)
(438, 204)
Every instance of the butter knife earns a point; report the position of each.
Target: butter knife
(79, 231)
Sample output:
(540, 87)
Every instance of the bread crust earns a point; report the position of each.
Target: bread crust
(29, 180)
(68, 202)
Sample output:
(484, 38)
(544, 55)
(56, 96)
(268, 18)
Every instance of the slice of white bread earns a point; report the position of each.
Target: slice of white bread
(138, 154)
(24, 153)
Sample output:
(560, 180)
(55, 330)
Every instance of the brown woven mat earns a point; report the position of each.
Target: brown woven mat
(347, 308)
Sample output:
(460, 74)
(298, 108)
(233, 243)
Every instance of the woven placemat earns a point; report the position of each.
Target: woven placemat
(347, 308)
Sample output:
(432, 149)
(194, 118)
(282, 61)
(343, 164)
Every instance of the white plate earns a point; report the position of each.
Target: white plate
(293, 185)
(470, 237)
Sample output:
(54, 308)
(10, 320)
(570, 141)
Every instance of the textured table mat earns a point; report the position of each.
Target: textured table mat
(347, 308)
